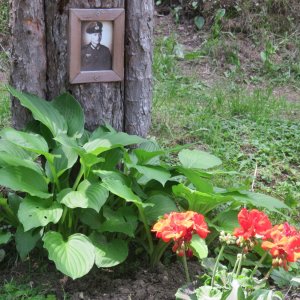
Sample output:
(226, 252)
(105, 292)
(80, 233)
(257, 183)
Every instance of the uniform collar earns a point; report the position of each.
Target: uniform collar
(95, 48)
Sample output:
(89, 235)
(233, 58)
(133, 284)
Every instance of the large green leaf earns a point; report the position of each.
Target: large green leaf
(68, 141)
(88, 195)
(64, 159)
(263, 294)
(71, 110)
(236, 291)
(198, 178)
(227, 220)
(111, 140)
(91, 218)
(282, 278)
(123, 191)
(26, 241)
(111, 159)
(207, 292)
(10, 148)
(198, 201)
(186, 292)
(145, 157)
(7, 160)
(35, 212)
(74, 257)
(123, 220)
(196, 159)
(28, 141)
(101, 131)
(89, 159)
(112, 175)
(157, 173)
(24, 180)
(5, 237)
(162, 204)
(199, 246)
(42, 111)
(14, 202)
(109, 254)
(261, 200)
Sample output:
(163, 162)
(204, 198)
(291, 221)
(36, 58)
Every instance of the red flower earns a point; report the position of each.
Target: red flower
(180, 227)
(253, 223)
(283, 243)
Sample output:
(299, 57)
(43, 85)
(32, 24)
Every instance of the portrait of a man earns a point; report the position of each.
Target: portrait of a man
(95, 56)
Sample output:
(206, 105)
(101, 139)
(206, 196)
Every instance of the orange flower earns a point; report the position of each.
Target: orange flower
(180, 227)
(283, 243)
(253, 223)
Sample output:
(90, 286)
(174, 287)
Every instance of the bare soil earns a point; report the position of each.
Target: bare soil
(124, 282)
(210, 70)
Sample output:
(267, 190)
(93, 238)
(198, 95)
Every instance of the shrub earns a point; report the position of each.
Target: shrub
(85, 195)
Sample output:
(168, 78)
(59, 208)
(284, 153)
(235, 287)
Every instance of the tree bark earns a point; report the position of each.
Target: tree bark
(41, 62)
(28, 46)
(138, 67)
(102, 102)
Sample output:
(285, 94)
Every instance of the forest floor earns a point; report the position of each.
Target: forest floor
(195, 70)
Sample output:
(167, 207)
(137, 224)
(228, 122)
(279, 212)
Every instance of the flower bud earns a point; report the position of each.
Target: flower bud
(189, 253)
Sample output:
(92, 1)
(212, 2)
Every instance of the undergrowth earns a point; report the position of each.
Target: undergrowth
(14, 291)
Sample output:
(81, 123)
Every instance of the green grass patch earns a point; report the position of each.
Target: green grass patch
(4, 14)
(244, 127)
(5, 114)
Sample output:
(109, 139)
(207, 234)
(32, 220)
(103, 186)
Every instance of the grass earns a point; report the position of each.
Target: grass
(5, 115)
(244, 127)
(4, 13)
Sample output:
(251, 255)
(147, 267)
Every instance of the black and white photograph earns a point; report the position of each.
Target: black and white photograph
(96, 46)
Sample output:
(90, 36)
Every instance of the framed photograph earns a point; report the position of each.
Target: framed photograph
(96, 45)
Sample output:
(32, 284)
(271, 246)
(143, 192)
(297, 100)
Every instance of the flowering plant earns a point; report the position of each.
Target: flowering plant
(281, 242)
(180, 228)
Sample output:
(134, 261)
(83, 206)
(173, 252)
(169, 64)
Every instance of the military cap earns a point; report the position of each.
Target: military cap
(94, 27)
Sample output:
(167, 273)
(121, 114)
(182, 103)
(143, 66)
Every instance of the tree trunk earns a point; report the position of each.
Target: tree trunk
(124, 105)
(138, 67)
(28, 53)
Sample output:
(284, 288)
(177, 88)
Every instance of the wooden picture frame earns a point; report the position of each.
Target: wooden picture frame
(89, 61)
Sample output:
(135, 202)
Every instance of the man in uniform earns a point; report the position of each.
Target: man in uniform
(95, 56)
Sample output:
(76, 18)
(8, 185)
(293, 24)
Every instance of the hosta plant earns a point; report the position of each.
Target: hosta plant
(281, 243)
(84, 196)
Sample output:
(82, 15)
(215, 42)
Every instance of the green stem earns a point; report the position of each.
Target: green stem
(258, 264)
(10, 216)
(216, 266)
(269, 272)
(54, 174)
(239, 265)
(148, 233)
(77, 181)
(159, 250)
(186, 269)
(70, 220)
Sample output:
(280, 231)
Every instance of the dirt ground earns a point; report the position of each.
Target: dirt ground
(120, 283)
(124, 282)
(205, 69)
